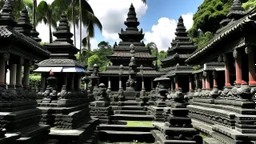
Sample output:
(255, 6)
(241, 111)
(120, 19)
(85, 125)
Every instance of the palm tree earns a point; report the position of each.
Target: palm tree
(47, 15)
(80, 12)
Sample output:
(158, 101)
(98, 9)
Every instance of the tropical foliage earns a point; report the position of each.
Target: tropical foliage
(208, 16)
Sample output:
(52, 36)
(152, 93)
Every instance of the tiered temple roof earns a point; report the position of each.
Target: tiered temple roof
(62, 58)
(181, 48)
(122, 55)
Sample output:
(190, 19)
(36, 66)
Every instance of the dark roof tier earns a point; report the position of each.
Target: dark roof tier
(16, 42)
(63, 46)
(34, 35)
(127, 55)
(131, 36)
(233, 29)
(115, 70)
(24, 26)
(132, 20)
(181, 48)
(7, 17)
(60, 62)
(236, 10)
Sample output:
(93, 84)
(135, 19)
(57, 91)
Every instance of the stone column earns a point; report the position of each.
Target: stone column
(13, 72)
(72, 86)
(251, 65)
(27, 64)
(202, 79)
(176, 82)
(214, 75)
(172, 87)
(66, 79)
(19, 73)
(4, 57)
(78, 82)
(120, 80)
(43, 81)
(227, 74)
(207, 80)
(196, 81)
(109, 83)
(238, 65)
(152, 83)
(190, 84)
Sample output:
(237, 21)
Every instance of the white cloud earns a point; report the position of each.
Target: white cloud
(112, 14)
(164, 31)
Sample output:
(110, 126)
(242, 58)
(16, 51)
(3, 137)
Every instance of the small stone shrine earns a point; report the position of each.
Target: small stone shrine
(160, 99)
(177, 129)
(19, 117)
(64, 105)
(100, 108)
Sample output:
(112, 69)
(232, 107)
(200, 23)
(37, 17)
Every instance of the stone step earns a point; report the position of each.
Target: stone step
(211, 141)
(114, 127)
(132, 108)
(132, 103)
(125, 136)
(132, 117)
(134, 112)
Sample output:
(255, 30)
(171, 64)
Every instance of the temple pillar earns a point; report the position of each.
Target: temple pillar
(214, 75)
(27, 64)
(152, 83)
(13, 72)
(19, 73)
(172, 87)
(120, 81)
(196, 81)
(43, 81)
(190, 84)
(4, 57)
(109, 83)
(251, 65)
(142, 83)
(227, 68)
(78, 82)
(72, 86)
(238, 66)
(207, 80)
(176, 82)
(203, 81)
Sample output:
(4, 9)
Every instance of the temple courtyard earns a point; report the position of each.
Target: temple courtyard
(198, 95)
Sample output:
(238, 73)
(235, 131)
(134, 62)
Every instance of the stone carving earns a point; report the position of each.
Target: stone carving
(248, 50)
(245, 92)
(63, 93)
(235, 53)
(215, 92)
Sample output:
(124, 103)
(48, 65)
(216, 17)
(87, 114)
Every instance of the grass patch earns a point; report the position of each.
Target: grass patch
(203, 135)
(139, 123)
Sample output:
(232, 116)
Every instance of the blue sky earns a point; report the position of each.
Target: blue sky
(158, 19)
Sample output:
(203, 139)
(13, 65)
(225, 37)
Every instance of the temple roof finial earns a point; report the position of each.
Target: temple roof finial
(236, 10)
(7, 17)
(63, 31)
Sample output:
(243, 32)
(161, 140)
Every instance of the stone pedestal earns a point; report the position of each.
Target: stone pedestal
(177, 128)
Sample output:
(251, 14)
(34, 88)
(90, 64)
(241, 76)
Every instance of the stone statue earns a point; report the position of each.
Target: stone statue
(63, 93)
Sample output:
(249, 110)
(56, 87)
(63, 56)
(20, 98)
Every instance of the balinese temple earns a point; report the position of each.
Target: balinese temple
(174, 64)
(63, 104)
(19, 115)
(237, 29)
(122, 56)
(229, 116)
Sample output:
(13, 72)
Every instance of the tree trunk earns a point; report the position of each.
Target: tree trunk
(89, 43)
(34, 13)
(50, 26)
(74, 21)
(80, 17)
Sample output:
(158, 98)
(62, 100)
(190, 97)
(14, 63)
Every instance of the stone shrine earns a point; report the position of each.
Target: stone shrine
(64, 105)
(19, 117)
(178, 128)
